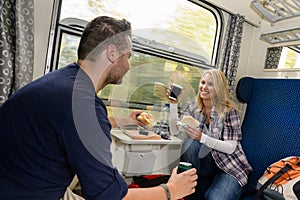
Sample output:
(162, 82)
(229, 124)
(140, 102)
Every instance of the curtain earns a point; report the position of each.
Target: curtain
(230, 50)
(16, 45)
(273, 57)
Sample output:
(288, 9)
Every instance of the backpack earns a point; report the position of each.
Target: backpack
(148, 180)
(280, 181)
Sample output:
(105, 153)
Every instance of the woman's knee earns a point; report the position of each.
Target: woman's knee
(191, 146)
(190, 151)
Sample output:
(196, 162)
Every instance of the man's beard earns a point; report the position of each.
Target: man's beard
(112, 79)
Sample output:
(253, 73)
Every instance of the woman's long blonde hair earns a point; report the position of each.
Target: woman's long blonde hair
(222, 102)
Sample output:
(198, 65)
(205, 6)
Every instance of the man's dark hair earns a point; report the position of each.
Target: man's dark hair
(101, 32)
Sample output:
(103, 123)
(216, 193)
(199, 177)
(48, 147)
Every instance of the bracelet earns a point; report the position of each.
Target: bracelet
(167, 191)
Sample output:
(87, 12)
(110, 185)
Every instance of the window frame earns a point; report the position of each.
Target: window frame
(75, 26)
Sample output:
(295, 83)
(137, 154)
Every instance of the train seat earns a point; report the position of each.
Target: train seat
(271, 125)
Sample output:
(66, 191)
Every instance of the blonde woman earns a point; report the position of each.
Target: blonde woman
(213, 147)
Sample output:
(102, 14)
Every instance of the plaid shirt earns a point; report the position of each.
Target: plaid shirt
(226, 127)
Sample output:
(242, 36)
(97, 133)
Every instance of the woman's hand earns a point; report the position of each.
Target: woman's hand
(193, 132)
(169, 93)
(183, 184)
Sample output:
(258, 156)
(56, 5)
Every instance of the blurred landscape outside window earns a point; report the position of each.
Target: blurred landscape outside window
(173, 42)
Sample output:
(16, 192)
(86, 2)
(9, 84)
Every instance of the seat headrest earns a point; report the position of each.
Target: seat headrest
(244, 88)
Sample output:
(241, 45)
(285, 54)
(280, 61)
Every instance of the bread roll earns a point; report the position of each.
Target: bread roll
(189, 120)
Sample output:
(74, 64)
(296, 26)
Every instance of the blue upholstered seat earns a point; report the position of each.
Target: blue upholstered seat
(271, 126)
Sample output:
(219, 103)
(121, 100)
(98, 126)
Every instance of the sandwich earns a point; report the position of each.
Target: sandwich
(146, 118)
(189, 120)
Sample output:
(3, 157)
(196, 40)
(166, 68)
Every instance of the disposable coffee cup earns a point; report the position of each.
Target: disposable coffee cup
(183, 166)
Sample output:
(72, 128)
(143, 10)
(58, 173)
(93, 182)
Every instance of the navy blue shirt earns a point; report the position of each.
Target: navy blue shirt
(51, 129)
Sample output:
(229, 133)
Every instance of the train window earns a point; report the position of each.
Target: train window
(173, 41)
(192, 26)
(282, 58)
(285, 57)
(290, 58)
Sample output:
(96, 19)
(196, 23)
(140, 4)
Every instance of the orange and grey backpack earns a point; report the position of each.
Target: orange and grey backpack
(280, 181)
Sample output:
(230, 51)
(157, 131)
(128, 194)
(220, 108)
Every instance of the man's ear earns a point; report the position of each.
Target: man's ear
(112, 53)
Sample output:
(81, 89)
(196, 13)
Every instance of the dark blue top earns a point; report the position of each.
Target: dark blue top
(51, 129)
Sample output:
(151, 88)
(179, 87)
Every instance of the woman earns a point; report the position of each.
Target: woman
(213, 147)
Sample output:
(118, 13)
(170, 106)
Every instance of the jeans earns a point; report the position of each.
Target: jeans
(213, 183)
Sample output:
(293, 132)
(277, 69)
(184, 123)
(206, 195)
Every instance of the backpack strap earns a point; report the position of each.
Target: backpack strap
(271, 180)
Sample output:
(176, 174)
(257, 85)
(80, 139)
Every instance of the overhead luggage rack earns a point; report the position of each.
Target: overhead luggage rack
(282, 36)
(276, 10)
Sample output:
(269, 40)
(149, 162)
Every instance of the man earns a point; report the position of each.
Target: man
(56, 127)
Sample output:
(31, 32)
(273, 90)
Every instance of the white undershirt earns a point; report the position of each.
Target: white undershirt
(227, 146)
